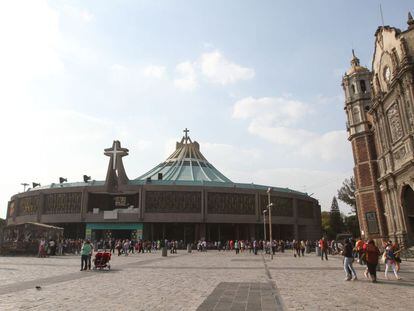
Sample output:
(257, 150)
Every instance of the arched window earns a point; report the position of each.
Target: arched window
(363, 86)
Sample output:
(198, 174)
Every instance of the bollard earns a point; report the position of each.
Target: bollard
(164, 251)
(189, 248)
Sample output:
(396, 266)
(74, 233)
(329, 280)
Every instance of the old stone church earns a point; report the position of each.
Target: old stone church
(379, 106)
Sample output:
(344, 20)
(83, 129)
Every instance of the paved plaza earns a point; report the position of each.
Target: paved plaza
(198, 281)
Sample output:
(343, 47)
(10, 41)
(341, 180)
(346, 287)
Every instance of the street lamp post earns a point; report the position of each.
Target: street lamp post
(269, 206)
(264, 224)
(24, 186)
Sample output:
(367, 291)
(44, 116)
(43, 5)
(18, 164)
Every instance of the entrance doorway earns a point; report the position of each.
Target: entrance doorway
(408, 204)
(97, 231)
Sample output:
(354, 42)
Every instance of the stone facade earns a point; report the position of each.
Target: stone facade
(379, 105)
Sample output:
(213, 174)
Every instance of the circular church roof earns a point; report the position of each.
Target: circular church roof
(186, 163)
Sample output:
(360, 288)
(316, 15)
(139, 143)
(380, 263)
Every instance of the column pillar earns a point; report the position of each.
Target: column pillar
(41, 207)
(203, 205)
(84, 204)
(295, 217)
(202, 231)
(196, 232)
(257, 206)
(142, 203)
(252, 231)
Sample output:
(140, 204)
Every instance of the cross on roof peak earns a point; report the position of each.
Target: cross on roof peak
(186, 134)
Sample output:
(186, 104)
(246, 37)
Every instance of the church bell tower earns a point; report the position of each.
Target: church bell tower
(357, 88)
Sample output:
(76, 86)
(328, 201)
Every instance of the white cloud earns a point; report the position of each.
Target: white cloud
(329, 146)
(271, 110)
(217, 69)
(79, 13)
(214, 67)
(154, 71)
(187, 79)
(230, 157)
(275, 119)
(30, 39)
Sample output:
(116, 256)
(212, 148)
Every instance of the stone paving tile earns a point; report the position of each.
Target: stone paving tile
(151, 282)
(240, 296)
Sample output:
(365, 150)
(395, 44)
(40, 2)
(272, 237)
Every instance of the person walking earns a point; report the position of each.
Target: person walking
(323, 244)
(371, 258)
(390, 261)
(85, 251)
(359, 247)
(348, 261)
(397, 252)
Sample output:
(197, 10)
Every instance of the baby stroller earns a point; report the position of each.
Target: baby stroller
(101, 260)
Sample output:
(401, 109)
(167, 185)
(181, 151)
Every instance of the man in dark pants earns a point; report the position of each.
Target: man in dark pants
(324, 248)
(86, 250)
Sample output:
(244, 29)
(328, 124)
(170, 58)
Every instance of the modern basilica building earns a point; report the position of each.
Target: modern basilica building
(184, 198)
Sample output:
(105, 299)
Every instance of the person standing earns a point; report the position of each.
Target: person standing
(302, 247)
(42, 252)
(236, 246)
(390, 261)
(372, 253)
(112, 245)
(348, 260)
(85, 251)
(323, 244)
(90, 256)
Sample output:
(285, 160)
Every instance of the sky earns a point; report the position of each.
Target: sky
(258, 83)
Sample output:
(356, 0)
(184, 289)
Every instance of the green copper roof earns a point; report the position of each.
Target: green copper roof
(186, 163)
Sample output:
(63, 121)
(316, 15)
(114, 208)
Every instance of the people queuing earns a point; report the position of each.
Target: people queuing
(363, 252)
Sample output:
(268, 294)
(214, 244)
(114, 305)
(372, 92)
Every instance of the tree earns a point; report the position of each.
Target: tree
(335, 218)
(326, 225)
(347, 193)
(2, 223)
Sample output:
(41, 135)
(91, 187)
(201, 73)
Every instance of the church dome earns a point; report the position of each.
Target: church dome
(357, 69)
(186, 163)
(355, 66)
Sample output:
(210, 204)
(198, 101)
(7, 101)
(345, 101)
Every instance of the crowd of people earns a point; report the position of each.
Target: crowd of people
(363, 252)
(368, 253)
(60, 247)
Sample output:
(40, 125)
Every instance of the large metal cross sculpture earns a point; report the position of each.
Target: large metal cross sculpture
(115, 152)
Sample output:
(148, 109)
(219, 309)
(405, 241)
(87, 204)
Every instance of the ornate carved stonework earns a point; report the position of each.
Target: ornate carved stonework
(231, 203)
(173, 202)
(11, 209)
(282, 206)
(409, 114)
(377, 84)
(394, 122)
(28, 206)
(400, 154)
(404, 49)
(305, 209)
(63, 203)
